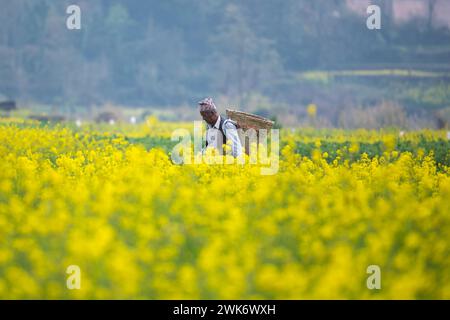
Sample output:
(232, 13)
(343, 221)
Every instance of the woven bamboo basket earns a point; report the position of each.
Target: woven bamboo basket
(249, 121)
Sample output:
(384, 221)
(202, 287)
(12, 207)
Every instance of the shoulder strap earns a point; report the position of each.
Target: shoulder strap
(222, 129)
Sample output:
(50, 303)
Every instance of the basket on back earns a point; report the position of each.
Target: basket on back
(249, 121)
(246, 121)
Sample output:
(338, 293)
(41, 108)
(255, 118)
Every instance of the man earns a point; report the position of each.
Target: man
(220, 130)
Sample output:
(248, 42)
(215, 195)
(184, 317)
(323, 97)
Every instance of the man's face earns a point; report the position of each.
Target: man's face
(209, 116)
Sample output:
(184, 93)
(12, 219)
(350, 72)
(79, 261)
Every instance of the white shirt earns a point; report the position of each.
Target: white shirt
(213, 136)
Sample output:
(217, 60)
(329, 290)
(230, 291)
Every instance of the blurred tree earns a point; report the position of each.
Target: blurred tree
(242, 62)
(430, 15)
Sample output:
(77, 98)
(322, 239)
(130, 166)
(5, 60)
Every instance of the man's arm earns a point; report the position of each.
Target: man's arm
(232, 135)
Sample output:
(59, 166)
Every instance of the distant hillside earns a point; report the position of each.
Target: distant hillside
(406, 10)
(274, 57)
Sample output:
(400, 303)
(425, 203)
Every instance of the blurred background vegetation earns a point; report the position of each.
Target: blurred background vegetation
(303, 62)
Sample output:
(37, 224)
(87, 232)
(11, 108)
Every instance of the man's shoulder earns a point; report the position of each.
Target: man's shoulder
(230, 124)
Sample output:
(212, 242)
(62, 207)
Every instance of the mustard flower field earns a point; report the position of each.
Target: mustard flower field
(110, 200)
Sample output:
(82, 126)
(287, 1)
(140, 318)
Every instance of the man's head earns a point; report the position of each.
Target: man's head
(208, 111)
